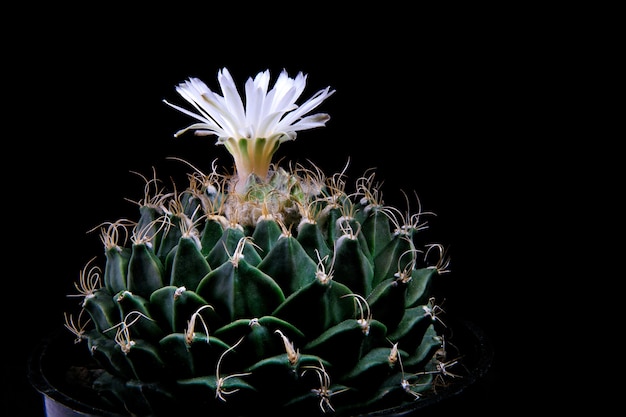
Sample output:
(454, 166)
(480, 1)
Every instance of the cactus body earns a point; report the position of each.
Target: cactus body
(327, 308)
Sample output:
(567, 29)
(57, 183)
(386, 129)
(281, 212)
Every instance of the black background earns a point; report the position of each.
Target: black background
(447, 106)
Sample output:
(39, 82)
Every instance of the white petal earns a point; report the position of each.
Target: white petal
(232, 99)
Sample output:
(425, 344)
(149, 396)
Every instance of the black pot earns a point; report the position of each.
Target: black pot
(57, 365)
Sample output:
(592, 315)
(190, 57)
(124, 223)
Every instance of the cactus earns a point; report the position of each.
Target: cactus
(271, 288)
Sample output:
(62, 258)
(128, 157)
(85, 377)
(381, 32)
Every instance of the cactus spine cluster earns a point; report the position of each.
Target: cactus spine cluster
(292, 293)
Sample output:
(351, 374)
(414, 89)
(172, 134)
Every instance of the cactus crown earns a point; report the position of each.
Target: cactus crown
(279, 287)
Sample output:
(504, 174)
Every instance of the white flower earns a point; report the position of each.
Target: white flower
(252, 130)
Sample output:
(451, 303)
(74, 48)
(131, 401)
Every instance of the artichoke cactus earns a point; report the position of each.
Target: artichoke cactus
(270, 288)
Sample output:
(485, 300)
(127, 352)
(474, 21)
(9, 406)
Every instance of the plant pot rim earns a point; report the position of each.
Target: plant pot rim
(54, 396)
(476, 346)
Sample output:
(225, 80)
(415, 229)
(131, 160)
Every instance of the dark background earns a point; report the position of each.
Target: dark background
(451, 106)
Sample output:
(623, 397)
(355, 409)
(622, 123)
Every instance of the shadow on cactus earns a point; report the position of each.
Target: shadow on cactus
(272, 288)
